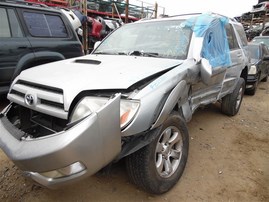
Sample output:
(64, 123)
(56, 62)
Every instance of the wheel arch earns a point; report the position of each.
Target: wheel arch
(176, 100)
(244, 74)
(34, 59)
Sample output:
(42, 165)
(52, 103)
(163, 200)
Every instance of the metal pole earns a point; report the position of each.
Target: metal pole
(85, 27)
(126, 11)
(113, 9)
(156, 9)
(142, 13)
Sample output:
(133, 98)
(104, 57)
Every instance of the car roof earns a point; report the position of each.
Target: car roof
(28, 5)
(187, 16)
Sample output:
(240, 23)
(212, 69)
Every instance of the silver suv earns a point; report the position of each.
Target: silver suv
(130, 98)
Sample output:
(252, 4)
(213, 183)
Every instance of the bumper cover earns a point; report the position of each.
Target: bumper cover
(251, 80)
(95, 142)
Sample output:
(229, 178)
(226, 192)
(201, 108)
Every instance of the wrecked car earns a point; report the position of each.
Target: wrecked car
(260, 8)
(259, 69)
(130, 98)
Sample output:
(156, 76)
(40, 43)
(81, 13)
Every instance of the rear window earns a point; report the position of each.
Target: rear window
(45, 25)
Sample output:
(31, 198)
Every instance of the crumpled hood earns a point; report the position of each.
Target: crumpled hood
(96, 72)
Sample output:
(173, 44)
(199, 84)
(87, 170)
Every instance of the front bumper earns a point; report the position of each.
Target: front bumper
(94, 142)
(251, 81)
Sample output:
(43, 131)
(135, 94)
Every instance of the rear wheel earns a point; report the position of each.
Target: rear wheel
(158, 166)
(231, 103)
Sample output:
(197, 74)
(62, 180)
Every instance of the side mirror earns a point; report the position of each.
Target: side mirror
(96, 44)
(206, 71)
(209, 75)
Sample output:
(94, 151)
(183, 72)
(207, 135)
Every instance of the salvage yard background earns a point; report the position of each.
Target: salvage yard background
(228, 161)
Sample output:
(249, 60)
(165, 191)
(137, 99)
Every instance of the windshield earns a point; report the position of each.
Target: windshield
(167, 39)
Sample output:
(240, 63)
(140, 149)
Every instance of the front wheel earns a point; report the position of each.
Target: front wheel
(158, 166)
(231, 103)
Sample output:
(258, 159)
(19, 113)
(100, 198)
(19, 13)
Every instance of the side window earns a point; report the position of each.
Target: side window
(44, 25)
(14, 24)
(231, 37)
(242, 35)
(5, 29)
(9, 24)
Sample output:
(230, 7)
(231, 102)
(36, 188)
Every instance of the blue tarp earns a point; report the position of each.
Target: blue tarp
(215, 44)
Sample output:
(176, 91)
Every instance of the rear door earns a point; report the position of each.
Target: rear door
(14, 45)
(237, 59)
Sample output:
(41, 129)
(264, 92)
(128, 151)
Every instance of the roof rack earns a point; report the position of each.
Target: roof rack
(22, 2)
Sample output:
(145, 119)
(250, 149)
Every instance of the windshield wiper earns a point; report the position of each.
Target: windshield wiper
(110, 53)
(142, 53)
(104, 53)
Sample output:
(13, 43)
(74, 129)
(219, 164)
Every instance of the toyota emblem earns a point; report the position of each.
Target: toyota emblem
(29, 99)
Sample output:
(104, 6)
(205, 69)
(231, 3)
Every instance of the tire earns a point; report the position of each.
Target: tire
(231, 103)
(168, 152)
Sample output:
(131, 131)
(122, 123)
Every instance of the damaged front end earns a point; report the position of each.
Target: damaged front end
(54, 151)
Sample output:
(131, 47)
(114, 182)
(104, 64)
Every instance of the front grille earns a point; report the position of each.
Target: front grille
(39, 86)
(45, 99)
(53, 104)
(26, 124)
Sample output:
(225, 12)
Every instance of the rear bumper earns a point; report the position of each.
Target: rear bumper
(90, 142)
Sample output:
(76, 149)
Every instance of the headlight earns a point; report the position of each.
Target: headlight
(253, 69)
(88, 105)
(128, 109)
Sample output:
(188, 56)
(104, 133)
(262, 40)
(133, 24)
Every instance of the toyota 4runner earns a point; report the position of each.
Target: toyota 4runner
(130, 98)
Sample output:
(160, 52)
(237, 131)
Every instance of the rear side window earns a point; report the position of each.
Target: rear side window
(45, 25)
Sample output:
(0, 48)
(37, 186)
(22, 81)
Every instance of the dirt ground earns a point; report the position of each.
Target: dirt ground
(228, 161)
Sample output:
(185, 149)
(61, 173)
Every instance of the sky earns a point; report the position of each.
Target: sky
(230, 8)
